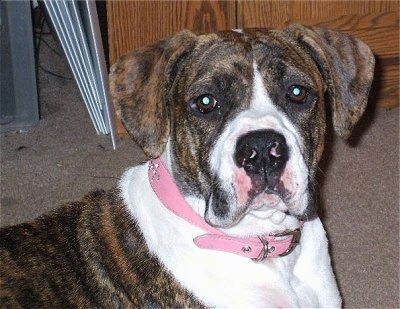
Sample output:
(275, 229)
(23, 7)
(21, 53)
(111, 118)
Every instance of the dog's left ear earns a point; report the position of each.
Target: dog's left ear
(347, 67)
(139, 83)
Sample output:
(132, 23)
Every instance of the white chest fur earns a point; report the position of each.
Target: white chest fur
(302, 279)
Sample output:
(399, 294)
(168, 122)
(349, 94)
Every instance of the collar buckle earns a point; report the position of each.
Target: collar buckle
(296, 235)
(269, 246)
(265, 251)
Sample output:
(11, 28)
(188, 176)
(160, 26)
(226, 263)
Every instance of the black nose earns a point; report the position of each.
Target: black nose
(263, 155)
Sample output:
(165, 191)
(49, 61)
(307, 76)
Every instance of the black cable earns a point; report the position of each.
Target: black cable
(51, 48)
(38, 40)
(54, 74)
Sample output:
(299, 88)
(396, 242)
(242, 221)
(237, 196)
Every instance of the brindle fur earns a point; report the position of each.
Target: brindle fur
(87, 254)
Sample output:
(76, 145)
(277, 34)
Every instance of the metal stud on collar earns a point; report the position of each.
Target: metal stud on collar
(246, 249)
(153, 167)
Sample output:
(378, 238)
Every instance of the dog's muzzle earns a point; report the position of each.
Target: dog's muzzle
(268, 175)
(263, 155)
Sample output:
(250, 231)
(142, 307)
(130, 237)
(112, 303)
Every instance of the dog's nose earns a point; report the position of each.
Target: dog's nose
(263, 155)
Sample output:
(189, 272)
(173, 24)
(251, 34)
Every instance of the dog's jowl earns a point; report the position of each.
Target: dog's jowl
(224, 212)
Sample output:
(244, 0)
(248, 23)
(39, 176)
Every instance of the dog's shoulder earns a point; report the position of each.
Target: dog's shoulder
(88, 253)
(43, 260)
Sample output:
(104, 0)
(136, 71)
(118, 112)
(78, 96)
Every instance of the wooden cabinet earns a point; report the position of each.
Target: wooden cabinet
(132, 24)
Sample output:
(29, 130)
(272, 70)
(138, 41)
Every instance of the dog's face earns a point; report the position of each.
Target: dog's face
(243, 113)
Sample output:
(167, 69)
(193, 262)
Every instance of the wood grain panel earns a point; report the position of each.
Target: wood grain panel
(360, 21)
(280, 13)
(133, 24)
(385, 89)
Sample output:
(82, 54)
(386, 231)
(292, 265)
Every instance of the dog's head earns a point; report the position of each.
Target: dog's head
(242, 113)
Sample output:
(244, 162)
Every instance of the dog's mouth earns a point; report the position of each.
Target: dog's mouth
(225, 212)
(270, 198)
(270, 191)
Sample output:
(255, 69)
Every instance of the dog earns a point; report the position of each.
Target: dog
(224, 212)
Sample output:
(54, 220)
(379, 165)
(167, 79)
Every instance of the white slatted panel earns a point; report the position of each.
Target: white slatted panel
(77, 27)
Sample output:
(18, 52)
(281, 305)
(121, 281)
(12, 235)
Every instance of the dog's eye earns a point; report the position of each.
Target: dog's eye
(205, 103)
(297, 94)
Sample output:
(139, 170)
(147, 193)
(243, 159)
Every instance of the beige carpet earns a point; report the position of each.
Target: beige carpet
(62, 158)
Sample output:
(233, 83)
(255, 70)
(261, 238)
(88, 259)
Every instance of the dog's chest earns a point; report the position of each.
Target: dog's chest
(216, 278)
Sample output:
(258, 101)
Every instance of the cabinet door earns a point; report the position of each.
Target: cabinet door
(374, 22)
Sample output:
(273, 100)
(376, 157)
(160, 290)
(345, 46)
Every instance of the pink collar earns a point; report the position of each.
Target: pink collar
(257, 248)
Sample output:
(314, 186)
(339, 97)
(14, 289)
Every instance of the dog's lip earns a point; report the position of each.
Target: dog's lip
(269, 198)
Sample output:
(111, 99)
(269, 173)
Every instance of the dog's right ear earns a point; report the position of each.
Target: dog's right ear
(139, 82)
